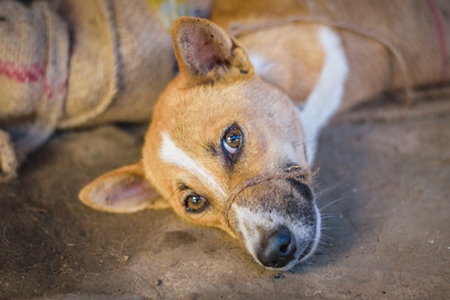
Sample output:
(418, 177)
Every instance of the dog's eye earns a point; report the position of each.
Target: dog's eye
(195, 203)
(231, 142)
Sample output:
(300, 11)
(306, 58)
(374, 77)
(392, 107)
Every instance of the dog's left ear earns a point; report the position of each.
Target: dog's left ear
(205, 53)
(124, 190)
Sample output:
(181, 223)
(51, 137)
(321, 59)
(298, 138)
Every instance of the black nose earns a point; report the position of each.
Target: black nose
(278, 249)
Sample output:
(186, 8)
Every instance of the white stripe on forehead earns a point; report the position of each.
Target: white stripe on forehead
(171, 154)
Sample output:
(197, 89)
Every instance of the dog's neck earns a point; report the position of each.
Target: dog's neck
(308, 63)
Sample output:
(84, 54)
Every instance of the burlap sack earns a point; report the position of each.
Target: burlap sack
(390, 44)
(146, 63)
(33, 78)
(126, 54)
(119, 59)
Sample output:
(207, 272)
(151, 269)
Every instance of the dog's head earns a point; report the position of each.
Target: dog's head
(224, 149)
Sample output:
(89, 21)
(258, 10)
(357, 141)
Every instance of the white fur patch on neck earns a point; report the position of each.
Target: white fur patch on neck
(327, 96)
(260, 64)
(171, 154)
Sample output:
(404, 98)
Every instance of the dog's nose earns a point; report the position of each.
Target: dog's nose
(278, 249)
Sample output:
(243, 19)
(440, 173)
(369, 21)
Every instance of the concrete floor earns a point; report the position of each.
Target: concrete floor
(387, 237)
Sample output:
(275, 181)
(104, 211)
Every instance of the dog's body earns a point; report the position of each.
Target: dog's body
(233, 137)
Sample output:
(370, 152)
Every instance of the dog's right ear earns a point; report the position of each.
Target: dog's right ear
(205, 53)
(124, 190)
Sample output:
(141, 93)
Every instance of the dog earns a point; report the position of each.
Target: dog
(233, 137)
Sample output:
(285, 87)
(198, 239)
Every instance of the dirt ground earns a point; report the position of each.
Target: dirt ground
(387, 236)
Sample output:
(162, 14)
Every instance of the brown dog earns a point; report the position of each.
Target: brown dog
(234, 135)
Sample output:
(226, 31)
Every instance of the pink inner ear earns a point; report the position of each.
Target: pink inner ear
(124, 192)
(133, 190)
(206, 53)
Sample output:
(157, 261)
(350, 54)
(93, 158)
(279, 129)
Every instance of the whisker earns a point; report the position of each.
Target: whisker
(322, 191)
(323, 246)
(327, 214)
(332, 202)
(329, 237)
(328, 217)
(320, 247)
(301, 264)
(302, 142)
(312, 260)
(328, 228)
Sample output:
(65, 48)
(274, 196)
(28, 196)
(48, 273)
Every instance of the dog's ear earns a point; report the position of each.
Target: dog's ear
(206, 53)
(124, 190)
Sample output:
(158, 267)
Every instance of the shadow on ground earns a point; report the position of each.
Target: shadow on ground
(386, 235)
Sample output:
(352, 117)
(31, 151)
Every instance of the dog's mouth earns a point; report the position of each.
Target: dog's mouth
(310, 250)
(307, 251)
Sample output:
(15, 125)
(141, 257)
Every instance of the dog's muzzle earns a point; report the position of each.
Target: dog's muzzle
(274, 222)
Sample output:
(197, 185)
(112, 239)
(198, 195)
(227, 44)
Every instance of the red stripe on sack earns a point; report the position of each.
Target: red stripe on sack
(29, 74)
(439, 24)
(52, 91)
(22, 73)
